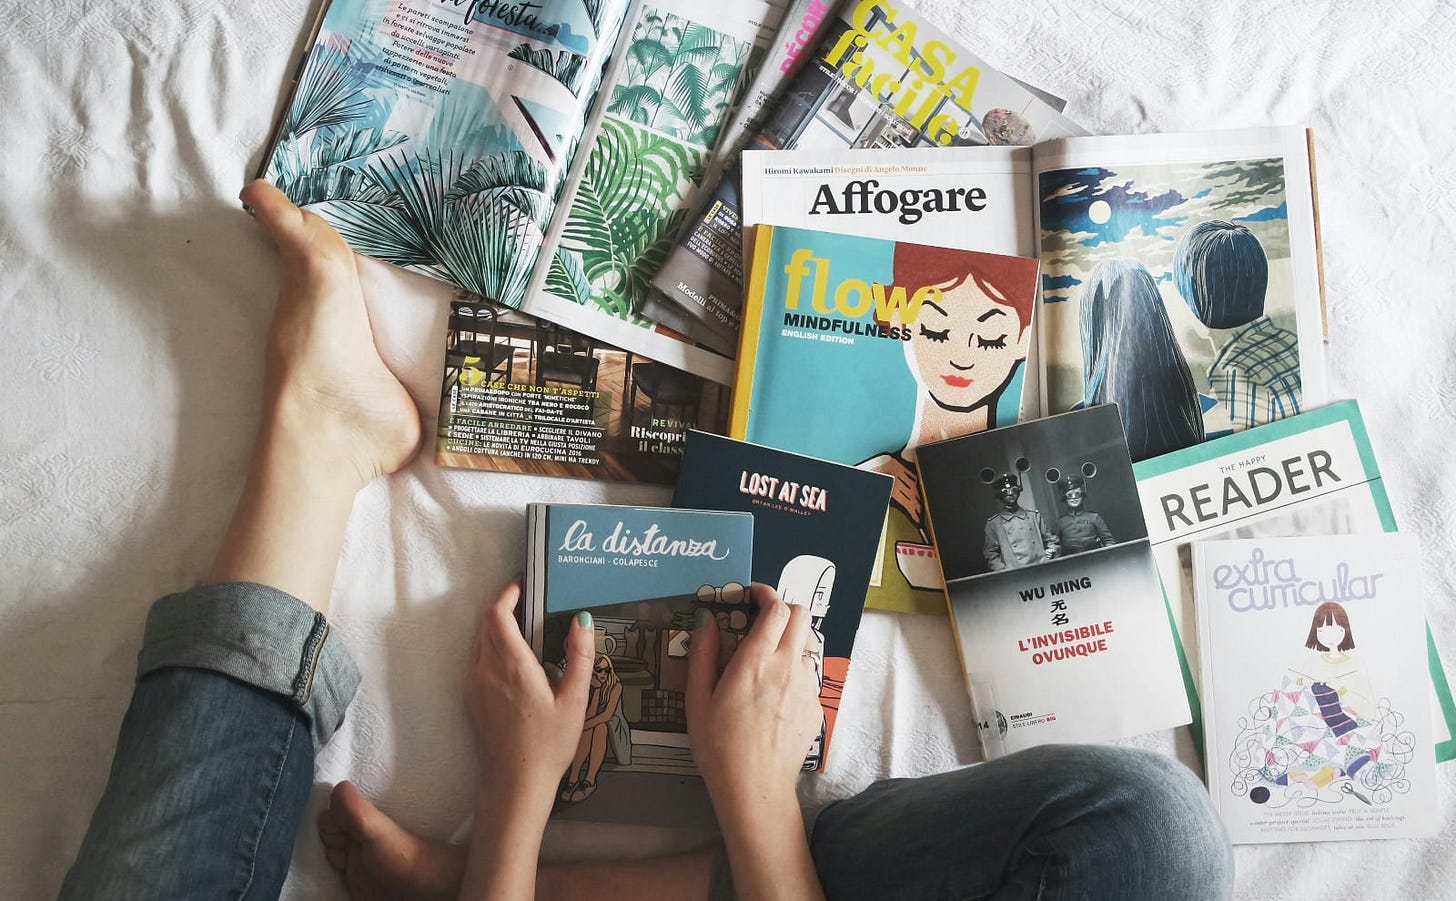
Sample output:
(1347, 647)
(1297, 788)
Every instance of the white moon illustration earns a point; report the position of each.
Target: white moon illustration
(1100, 211)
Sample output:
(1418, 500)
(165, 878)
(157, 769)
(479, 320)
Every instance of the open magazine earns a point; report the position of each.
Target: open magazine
(540, 155)
(1180, 273)
(520, 394)
(881, 75)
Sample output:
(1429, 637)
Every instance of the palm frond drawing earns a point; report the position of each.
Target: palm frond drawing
(680, 77)
(328, 94)
(636, 102)
(514, 177)
(465, 223)
(627, 202)
(566, 277)
(564, 66)
(379, 229)
(328, 165)
(594, 14)
(481, 248)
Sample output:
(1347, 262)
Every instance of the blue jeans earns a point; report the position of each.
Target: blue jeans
(1057, 822)
(238, 684)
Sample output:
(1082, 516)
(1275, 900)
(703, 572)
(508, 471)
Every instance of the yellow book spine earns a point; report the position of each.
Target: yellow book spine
(749, 329)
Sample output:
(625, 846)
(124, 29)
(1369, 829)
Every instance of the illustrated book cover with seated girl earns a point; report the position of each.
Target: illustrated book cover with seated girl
(1317, 710)
(641, 572)
(857, 350)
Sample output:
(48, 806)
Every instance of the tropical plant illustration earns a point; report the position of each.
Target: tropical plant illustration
(564, 66)
(594, 14)
(478, 225)
(680, 77)
(464, 215)
(624, 218)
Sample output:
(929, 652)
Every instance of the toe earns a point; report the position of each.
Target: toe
(353, 814)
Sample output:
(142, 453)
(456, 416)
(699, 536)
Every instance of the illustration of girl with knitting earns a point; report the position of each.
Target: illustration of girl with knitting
(1323, 733)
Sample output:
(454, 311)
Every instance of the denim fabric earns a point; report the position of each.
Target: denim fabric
(1054, 823)
(214, 764)
(258, 635)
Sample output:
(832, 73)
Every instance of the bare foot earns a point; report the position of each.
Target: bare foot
(322, 362)
(379, 859)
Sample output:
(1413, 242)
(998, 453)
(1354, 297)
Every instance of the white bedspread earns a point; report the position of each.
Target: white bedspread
(134, 295)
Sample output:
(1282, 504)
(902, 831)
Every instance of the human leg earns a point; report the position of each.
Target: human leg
(214, 762)
(239, 680)
(1056, 822)
(379, 859)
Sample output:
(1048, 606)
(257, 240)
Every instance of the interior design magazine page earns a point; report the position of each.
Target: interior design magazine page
(520, 394)
(1316, 703)
(665, 99)
(1181, 281)
(438, 137)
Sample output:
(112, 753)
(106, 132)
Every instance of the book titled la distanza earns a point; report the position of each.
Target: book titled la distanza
(642, 572)
(581, 556)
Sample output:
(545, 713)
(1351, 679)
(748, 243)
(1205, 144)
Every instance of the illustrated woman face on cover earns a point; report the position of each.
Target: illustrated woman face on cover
(602, 671)
(1329, 629)
(965, 346)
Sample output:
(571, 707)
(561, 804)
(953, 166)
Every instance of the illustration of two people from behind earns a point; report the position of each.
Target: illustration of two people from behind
(1131, 357)
(1322, 732)
(1017, 537)
(964, 351)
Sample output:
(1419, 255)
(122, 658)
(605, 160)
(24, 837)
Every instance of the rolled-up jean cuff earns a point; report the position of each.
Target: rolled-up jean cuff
(258, 635)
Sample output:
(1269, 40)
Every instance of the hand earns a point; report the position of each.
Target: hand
(751, 727)
(906, 493)
(526, 729)
(749, 730)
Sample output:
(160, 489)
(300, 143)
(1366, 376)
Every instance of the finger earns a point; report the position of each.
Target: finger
(702, 659)
(283, 221)
(499, 634)
(795, 639)
(768, 629)
(575, 685)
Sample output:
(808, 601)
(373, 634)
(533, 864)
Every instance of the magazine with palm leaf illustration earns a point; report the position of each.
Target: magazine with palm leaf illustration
(880, 75)
(537, 154)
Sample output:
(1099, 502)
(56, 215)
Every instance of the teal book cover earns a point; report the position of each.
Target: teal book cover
(642, 572)
(858, 350)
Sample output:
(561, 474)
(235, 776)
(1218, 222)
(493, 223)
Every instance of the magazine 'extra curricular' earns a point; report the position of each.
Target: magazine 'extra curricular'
(1317, 718)
(1311, 474)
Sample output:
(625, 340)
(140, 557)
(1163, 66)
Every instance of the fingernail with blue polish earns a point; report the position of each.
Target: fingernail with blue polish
(702, 617)
(584, 619)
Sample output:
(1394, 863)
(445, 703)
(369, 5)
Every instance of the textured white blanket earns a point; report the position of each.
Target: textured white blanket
(134, 296)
